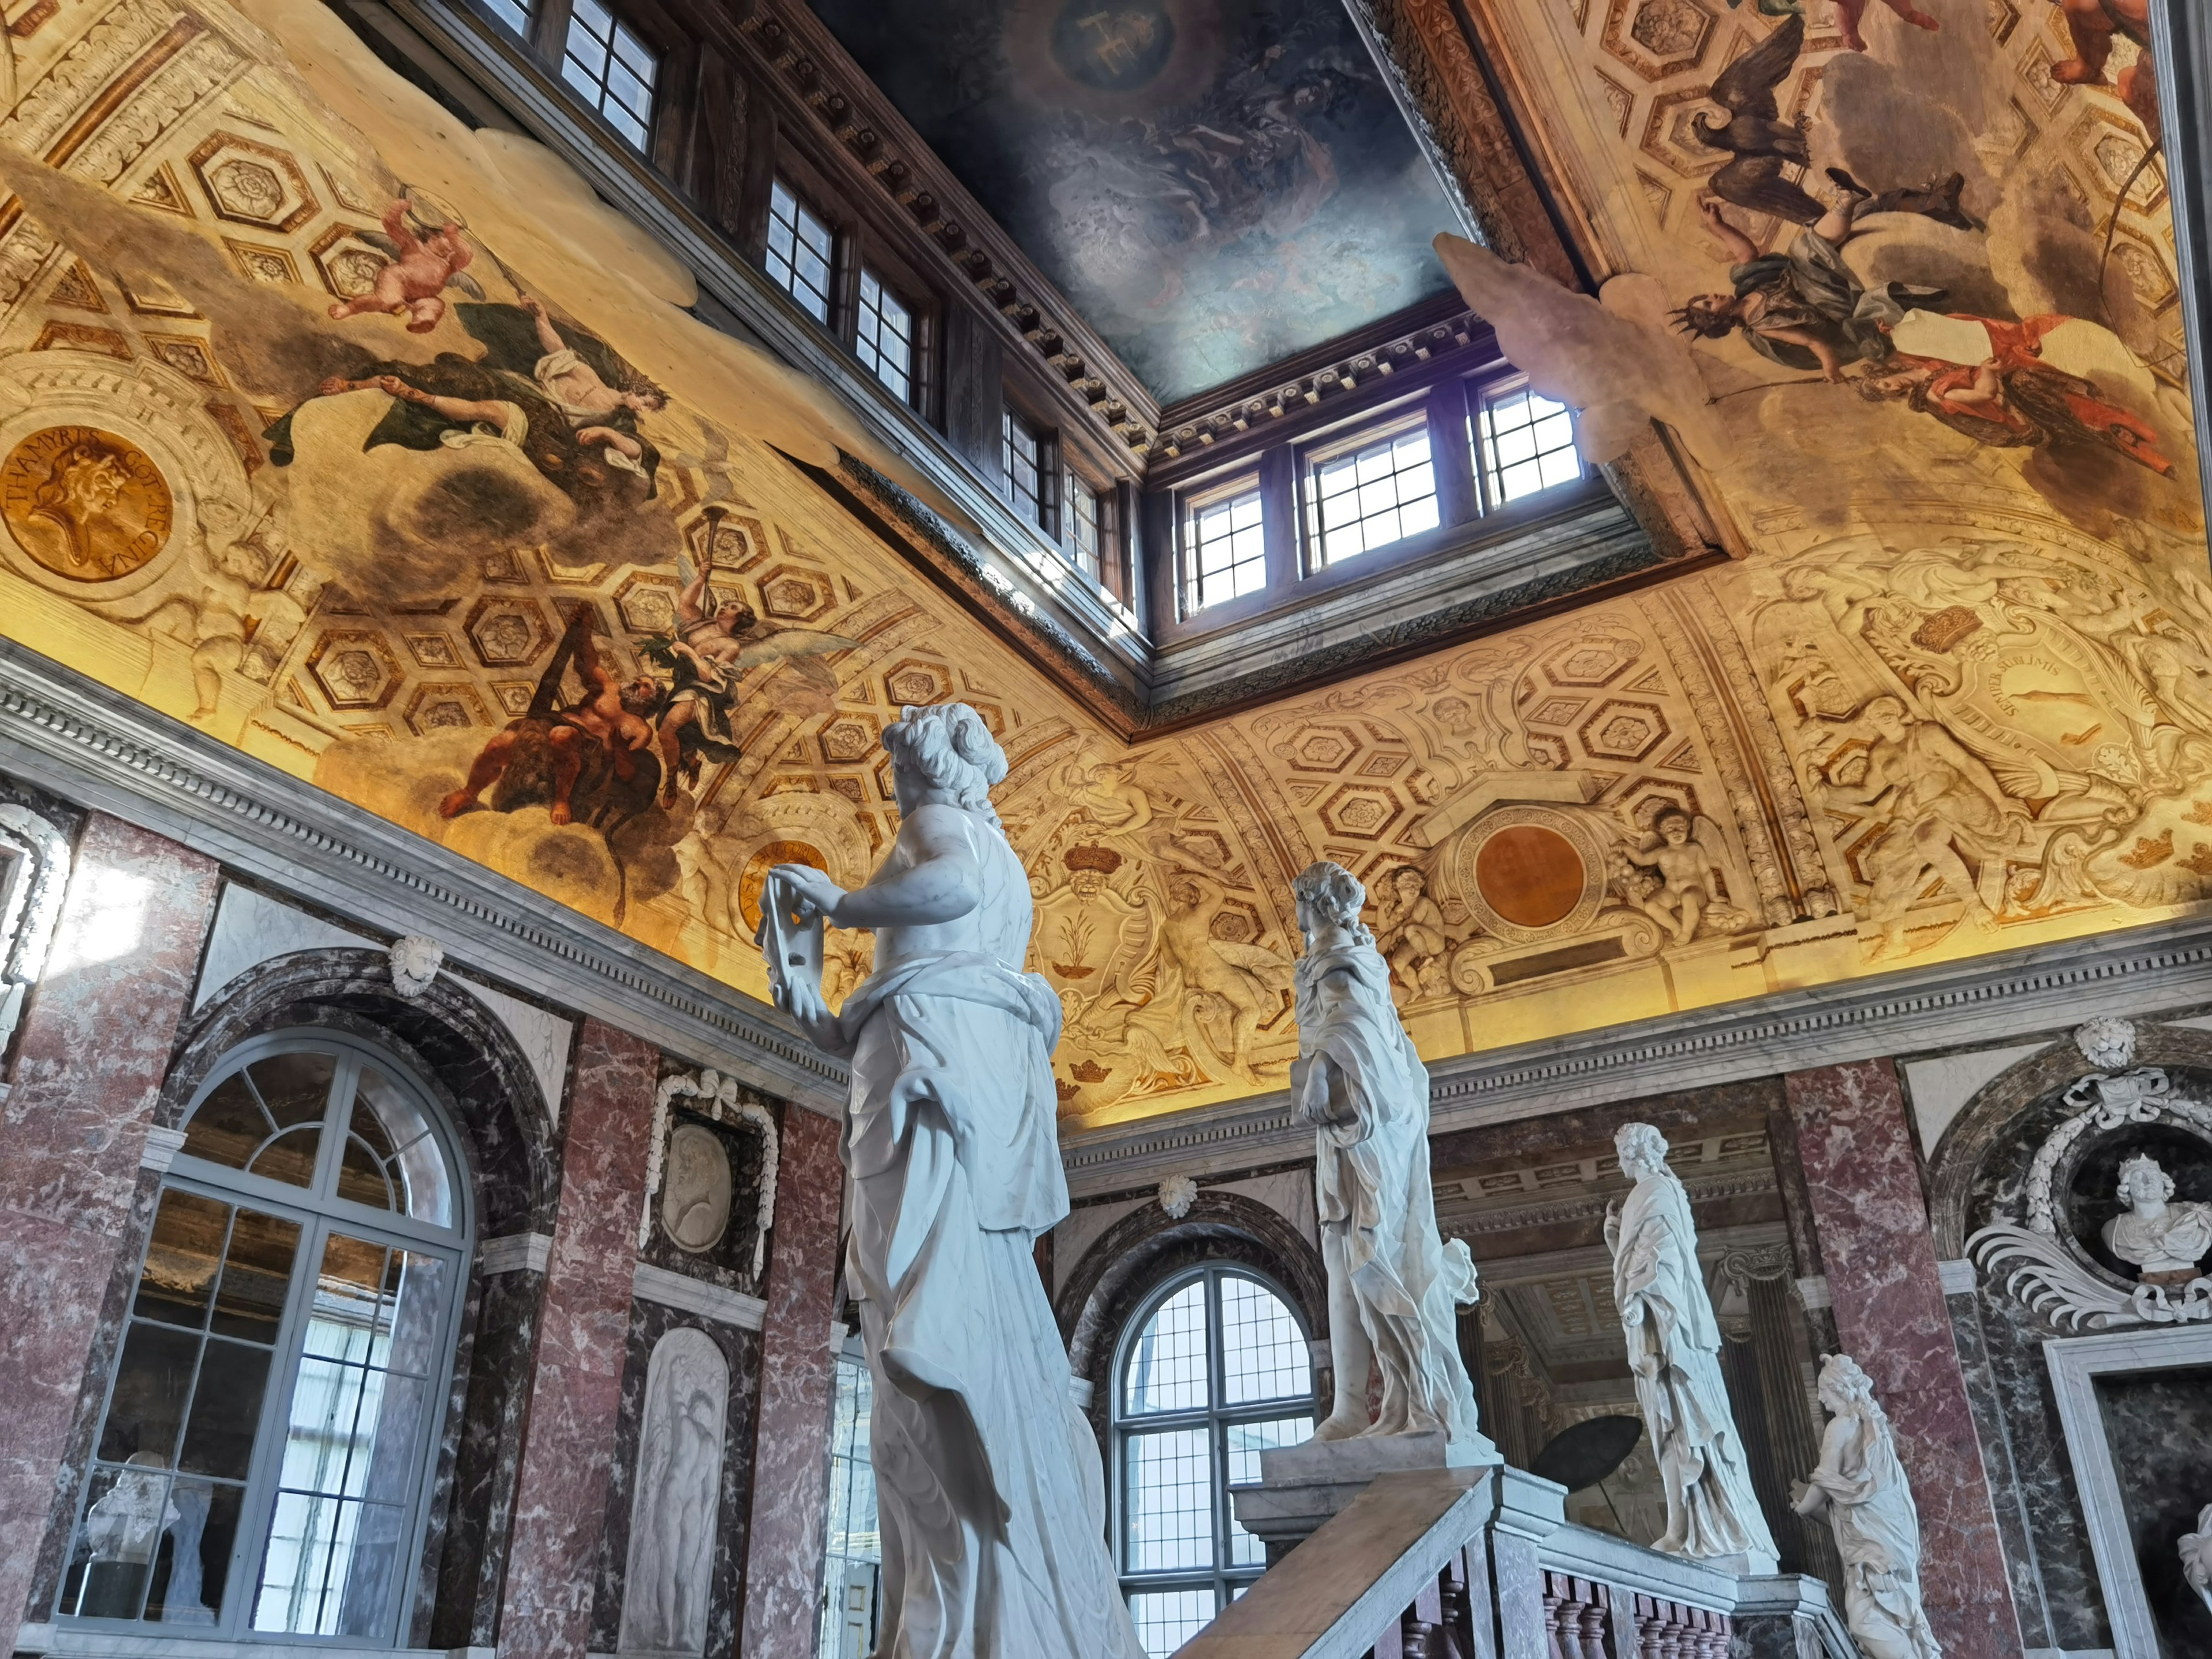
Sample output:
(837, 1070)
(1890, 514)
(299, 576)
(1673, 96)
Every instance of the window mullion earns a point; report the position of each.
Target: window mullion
(257, 1509)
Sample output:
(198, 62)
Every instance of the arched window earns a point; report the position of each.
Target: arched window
(264, 1450)
(1217, 1370)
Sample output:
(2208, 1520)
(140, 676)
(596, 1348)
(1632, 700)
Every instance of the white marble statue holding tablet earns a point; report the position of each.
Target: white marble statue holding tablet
(990, 1496)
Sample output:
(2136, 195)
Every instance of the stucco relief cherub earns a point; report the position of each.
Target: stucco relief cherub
(1409, 930)
(1227, 982)
(422, 268)
(1698, 881)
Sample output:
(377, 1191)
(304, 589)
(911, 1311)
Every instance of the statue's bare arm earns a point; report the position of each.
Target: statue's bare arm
(939, 879)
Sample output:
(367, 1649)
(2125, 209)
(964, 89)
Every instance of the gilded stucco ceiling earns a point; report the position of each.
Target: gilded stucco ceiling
(1956, 699)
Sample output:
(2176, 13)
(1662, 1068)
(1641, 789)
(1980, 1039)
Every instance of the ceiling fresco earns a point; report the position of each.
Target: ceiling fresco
(1216, 185)
(1958, 699)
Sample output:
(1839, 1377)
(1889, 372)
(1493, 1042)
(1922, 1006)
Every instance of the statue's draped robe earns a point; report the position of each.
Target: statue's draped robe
(1877, 1529)
(1683, 1396)
(1371, 1179)
(988, 1487)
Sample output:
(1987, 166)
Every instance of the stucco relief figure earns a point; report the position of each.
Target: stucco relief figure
(1674, 1349)
(1395, 1285)
(1696, 877)
(678, 1492)
(2163, 1240)
(1231, 987)
(695, 1193)
(1410, 931)
(989, 1486)
(2197, 1557)
(1862, 1487)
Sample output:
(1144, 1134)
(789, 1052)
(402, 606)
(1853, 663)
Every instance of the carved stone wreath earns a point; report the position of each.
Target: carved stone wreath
(722, 1099)
(2038, 1268)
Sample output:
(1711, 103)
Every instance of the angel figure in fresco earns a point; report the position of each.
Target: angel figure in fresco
(1764, 146)
(600, 742)
(1244, 980)
(421, 269)
(1409, 927)
(2092, 24)
(1698, 877)
(568, 403)
(1942, 799)
(716, 643)
(2011, 399)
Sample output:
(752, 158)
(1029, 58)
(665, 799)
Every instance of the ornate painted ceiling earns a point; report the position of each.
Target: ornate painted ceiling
(1215, 184)
(1956, 698)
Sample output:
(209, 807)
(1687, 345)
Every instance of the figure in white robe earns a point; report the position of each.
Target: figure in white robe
(989, 1489)
(1674, 1349)
(1862, 1487)
(1395, 1285)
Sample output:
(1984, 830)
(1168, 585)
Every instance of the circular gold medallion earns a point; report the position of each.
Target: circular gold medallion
(1530, 875)
(86, 504)
(754, 876)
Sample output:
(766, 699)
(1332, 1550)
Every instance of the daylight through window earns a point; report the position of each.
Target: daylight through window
(885, 337)
(1526, 443)
(1224, 548)
(1029, 478)
(1090, 525)
(1380, 488)
(606, 62)
(800, 251)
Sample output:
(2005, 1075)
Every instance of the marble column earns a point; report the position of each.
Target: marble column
(798, 1380)
(583, 1322)
(1870, 1216)
(95, 1047)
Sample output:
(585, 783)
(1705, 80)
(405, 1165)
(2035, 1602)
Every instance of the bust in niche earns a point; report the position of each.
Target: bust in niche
(2161, 1239)
(695, 1190)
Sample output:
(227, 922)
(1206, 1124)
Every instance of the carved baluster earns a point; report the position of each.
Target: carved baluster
(1648, 1625)
(1593, 1627)
(1455, 1596)
(1552, 1646)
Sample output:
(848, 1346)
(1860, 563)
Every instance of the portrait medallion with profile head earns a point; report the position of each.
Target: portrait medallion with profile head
(695, 1190)
(85, 504)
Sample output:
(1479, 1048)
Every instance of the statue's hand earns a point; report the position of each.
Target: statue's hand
(812, 888)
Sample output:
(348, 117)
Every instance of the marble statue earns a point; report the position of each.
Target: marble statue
(2197, 1557)
(677, 1496)
(2163, 1240)
(990, 1495)
(1393, 1285)
(1674, 1349)
(1870, 1504)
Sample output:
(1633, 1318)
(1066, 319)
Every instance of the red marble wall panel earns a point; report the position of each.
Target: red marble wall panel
(575, 1393)
(95, 1047)
(791, 1455)
(1870, 1217)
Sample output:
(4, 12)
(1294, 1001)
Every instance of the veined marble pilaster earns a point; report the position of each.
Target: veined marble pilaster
(575, 1396)
(96, 1044)
(1870, 1217)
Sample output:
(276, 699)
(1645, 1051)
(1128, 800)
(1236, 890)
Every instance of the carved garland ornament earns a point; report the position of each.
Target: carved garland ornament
(722, 1099)
(2038, 1269)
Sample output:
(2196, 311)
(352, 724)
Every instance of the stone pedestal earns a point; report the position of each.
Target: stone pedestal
(1302, 1486)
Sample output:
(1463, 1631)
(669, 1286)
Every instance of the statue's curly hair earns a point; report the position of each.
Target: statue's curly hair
(1332, 890)
(1643, 1138)
(948, 743)
(2134, 1168)
(1848, 1378)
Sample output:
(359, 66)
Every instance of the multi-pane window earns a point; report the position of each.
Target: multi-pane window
(512, 13)
(852, 1577)
(604, 59)
(1090, 527)
(1217, 1372)
(884, 336)
(263, 1450)
(1026, 454)
(1225, 546)
(1373, 490)
(1524, 442)
(801, 251)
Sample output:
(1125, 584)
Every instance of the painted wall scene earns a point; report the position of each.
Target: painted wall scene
(1215, 184)
(309, 437)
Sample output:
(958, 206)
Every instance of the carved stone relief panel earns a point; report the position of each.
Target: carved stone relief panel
(677, 1497)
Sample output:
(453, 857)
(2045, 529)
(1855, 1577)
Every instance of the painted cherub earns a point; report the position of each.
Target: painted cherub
(1692, 862)
(413, 285)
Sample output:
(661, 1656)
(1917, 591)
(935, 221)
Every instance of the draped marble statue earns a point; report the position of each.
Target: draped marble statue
(1674, 1349)
(1862, 1487)
(677, 1495)
(1393, 1285)
(989, 1490)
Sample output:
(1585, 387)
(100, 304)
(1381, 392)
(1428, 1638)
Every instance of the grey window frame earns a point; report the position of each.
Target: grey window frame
(319, 1211)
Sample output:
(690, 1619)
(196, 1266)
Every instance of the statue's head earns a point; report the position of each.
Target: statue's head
(1846, 1387)
(1328, 895)
(1642, 1150)
(947, 748)
(2143, 1183)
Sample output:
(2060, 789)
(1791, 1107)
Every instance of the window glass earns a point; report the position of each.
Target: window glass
(604, 59)
(515, 15)
(1526, 443)
(1224, 548)
(884, 339)
(1379, 490)
(1090, 527)
(1217, 1372)
(256, 1400)
(1028, 475)
(801, 251)
(851, 1577)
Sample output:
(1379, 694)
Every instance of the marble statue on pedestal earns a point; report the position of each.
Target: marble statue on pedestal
(1393, 1285)
(1862, 1487)
(677, 1496)
(1674, 1349)
(2162, 1240)
(989, 1490)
